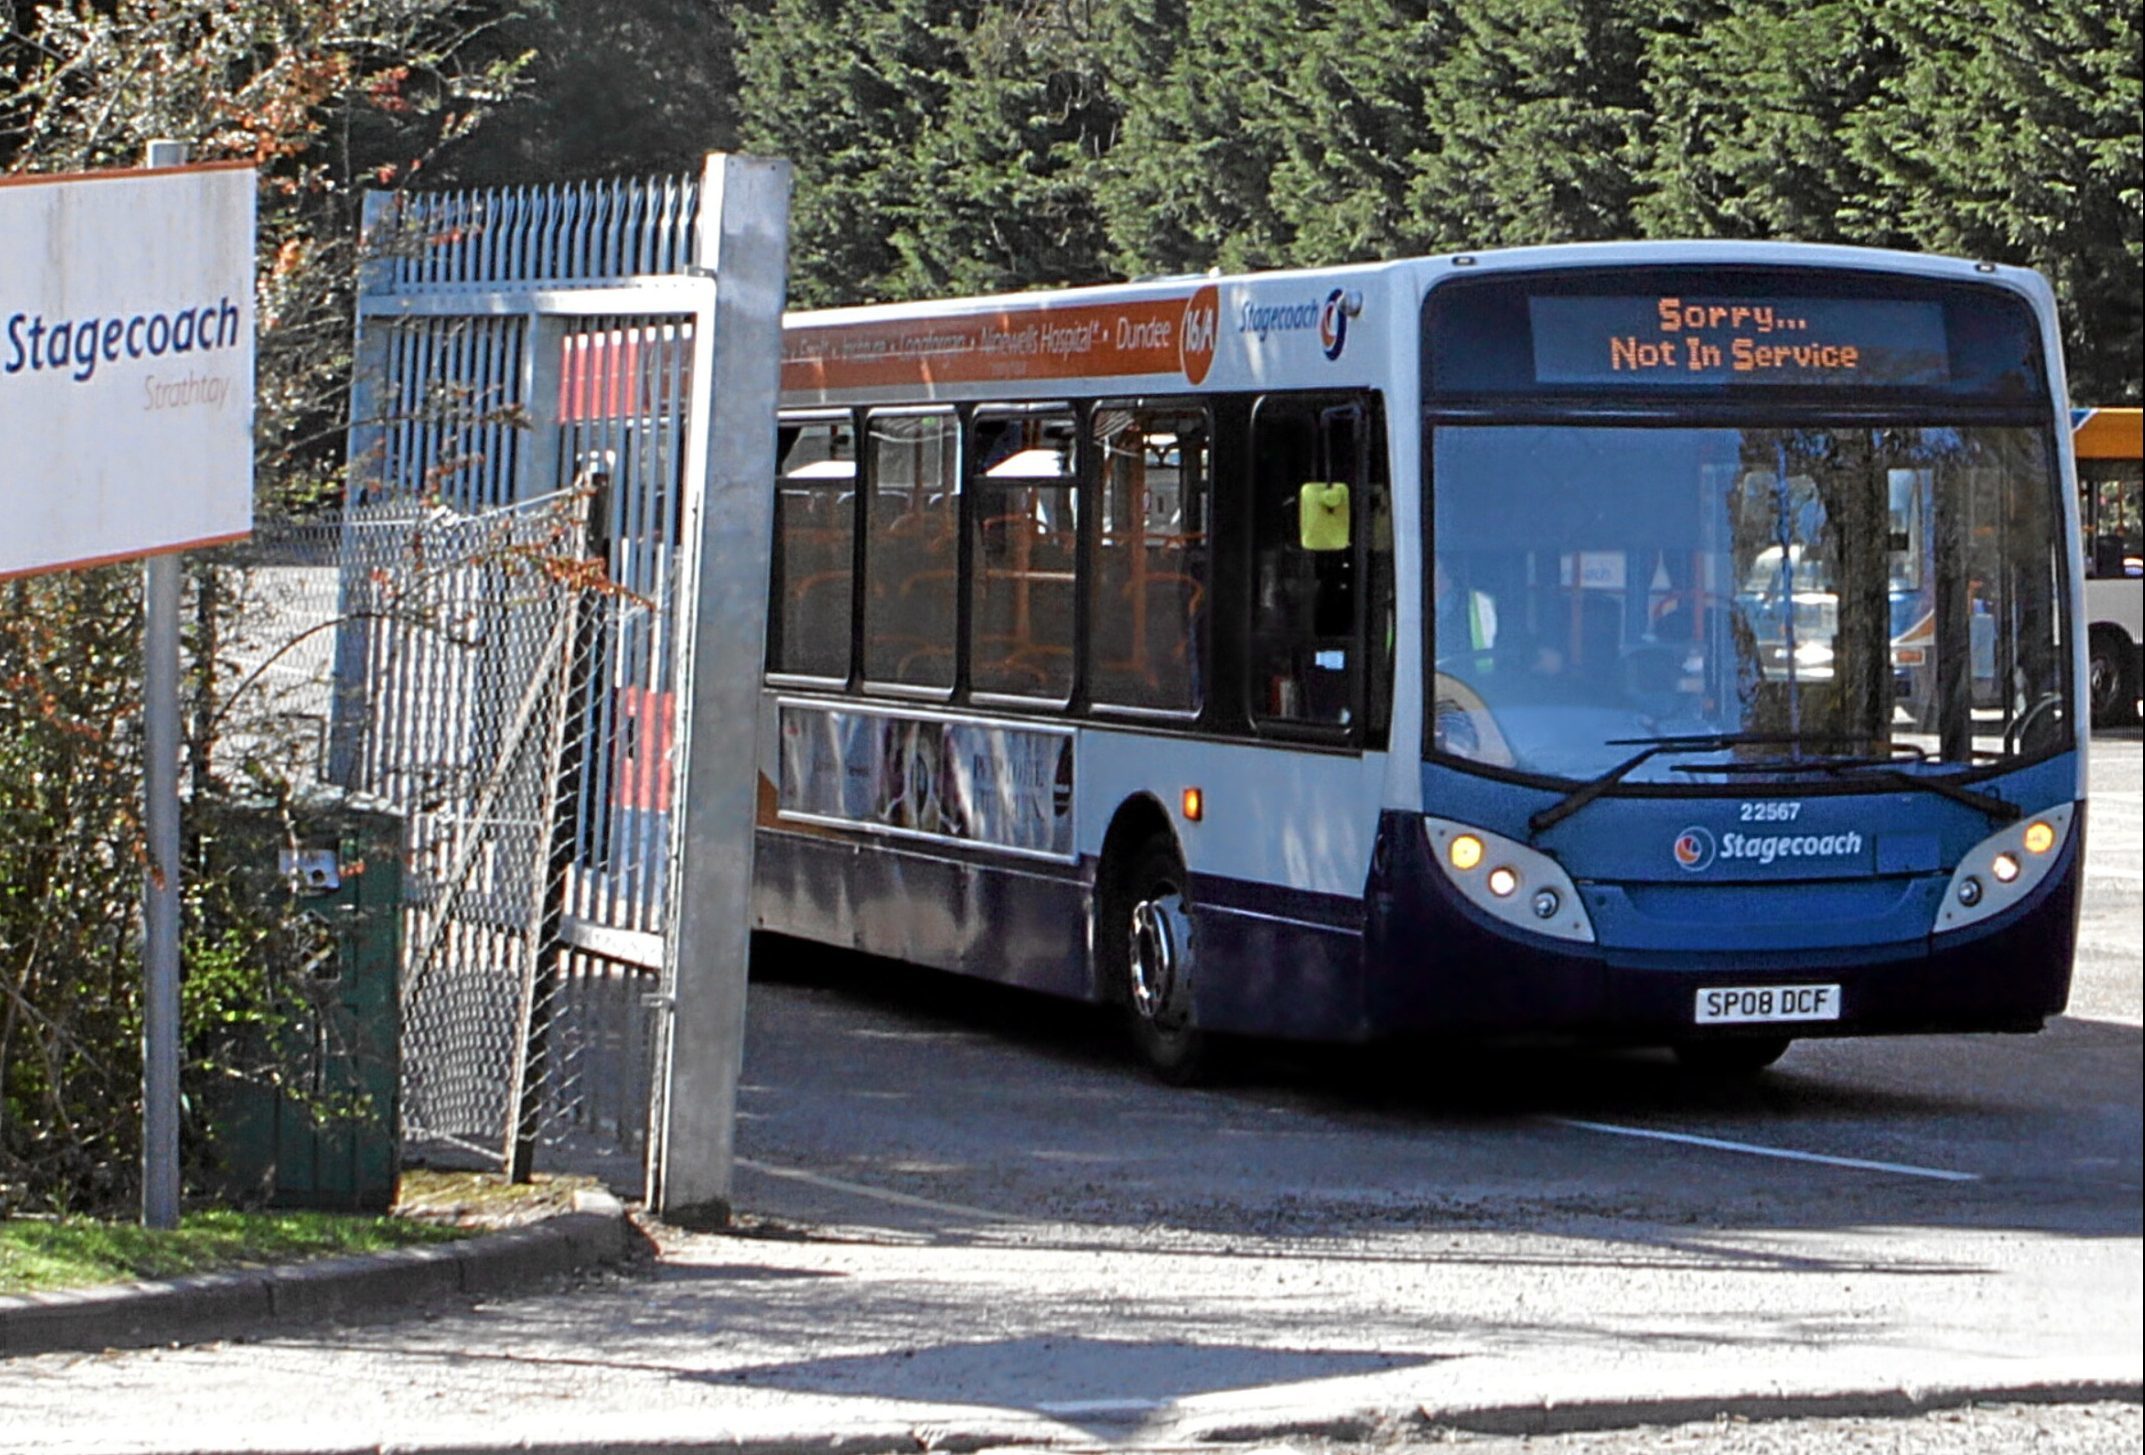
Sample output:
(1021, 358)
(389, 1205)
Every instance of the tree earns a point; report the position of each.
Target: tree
(1278, 133)
(629, 88)
(1751, 106)
(2011, 131)
(1190, 183)
(1005, 172)
(847, 93)
(1539, 120)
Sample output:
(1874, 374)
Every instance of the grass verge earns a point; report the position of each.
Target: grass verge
(38, 1255)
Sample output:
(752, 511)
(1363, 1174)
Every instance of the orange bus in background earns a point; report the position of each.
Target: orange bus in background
(2110, 477)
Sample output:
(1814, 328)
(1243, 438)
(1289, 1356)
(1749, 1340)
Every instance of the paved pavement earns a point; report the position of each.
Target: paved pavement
(856, 1340)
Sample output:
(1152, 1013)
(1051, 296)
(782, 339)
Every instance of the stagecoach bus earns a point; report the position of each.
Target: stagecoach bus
(1670, 644)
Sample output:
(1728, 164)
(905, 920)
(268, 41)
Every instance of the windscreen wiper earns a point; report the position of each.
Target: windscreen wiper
(1593, 788)
(1889, 769)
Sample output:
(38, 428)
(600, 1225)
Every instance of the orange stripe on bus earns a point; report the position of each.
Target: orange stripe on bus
(1089, 340)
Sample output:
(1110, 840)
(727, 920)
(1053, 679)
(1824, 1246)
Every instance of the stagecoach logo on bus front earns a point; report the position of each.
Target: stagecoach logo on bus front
(1694, 849)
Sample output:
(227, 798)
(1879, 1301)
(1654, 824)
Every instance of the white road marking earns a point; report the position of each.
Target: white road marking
(1074, 1409)
(883, 1194)
(1752, 1149)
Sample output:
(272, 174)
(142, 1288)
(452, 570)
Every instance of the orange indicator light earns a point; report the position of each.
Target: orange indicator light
(1195, 805)
(1465, 852)
(2040, 837)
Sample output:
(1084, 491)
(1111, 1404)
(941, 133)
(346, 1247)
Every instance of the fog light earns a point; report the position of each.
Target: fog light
(1503, 881)
(1546, 904)
(1969, 891)
(2040, 837)
(2004, 867)
(1465, 851)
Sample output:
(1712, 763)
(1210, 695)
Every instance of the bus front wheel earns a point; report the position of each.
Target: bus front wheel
(1146, 936)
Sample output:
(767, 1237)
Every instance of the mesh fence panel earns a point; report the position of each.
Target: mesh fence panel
(463, 671)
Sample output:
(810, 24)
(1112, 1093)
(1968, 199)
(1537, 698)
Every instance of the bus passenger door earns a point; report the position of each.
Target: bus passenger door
(1321, 565)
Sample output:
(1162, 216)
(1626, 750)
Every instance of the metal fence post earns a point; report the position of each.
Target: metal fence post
(722, 613)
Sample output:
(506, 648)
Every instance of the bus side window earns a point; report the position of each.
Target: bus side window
(911, 549)
(813, 573)
(1305, 642)
(1148, 597)
(1024, 553)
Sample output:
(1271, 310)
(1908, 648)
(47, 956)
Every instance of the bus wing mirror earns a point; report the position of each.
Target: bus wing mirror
(1322, 516)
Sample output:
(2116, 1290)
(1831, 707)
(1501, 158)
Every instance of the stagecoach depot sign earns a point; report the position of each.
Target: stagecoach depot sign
(126, 364)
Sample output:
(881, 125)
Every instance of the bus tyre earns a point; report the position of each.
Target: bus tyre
(1147, 937)
(2113, 692)
(1746, 1056)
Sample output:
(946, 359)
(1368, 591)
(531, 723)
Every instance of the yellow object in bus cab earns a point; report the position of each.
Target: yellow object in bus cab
(1322, 515)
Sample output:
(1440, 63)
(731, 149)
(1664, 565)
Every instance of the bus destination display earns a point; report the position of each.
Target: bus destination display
(1660, 339)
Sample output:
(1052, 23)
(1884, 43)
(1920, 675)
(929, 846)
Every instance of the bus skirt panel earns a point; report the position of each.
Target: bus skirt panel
(1278, 962)
(1022, 924)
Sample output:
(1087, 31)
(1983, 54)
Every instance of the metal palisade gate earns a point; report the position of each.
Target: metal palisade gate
(526, 451)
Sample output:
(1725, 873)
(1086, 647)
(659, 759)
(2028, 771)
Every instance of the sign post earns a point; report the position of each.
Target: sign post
(160, 892)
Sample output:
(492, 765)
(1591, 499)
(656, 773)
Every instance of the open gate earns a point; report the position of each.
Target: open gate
(527, 459)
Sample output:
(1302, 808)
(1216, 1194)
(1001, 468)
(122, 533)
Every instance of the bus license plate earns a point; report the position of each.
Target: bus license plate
(1734, 1005)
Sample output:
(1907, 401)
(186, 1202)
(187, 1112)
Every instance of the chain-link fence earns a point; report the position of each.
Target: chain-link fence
(461, 670)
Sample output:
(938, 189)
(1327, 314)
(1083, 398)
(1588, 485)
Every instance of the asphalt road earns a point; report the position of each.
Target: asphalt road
(967, 1218)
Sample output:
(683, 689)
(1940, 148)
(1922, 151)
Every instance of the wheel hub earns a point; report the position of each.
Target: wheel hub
(1156, 955)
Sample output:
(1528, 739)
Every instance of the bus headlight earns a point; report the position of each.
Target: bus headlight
(2000, 870)
(1491, 870)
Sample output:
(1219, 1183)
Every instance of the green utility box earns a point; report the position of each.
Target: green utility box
(312, 1122)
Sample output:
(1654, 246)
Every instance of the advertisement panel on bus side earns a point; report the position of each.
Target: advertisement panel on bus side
(997, 784)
